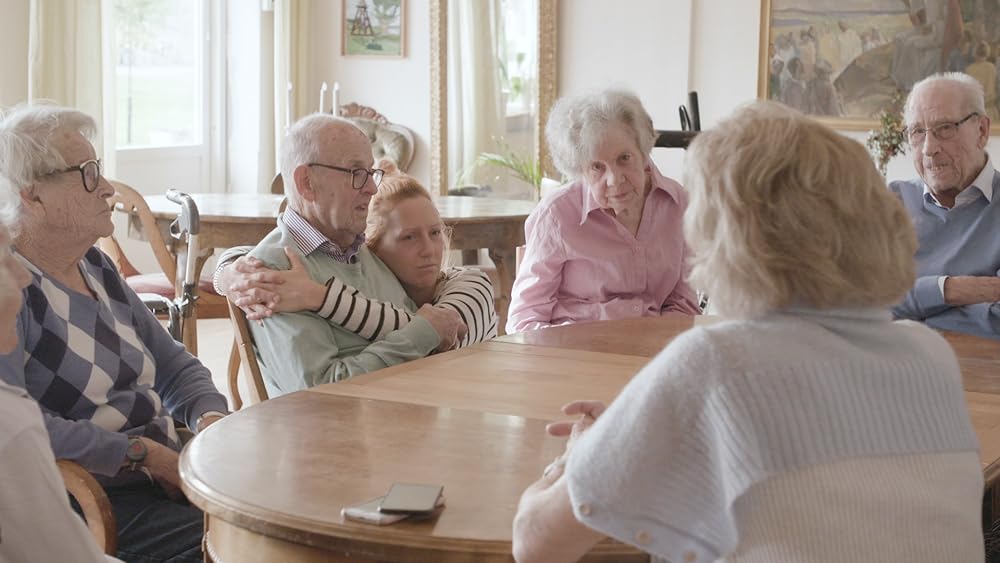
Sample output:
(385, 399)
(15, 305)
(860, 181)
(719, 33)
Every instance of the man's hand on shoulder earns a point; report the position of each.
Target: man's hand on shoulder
(970, 290)
(447, 323)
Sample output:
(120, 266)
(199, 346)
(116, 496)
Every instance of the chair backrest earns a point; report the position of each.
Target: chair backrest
(389, 140)
(94, 503)
(256, 390)
(127, 200)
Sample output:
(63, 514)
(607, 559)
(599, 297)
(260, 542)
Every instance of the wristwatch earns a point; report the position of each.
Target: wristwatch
(136, 452)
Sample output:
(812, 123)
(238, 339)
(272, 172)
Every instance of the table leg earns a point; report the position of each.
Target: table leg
(504, 259)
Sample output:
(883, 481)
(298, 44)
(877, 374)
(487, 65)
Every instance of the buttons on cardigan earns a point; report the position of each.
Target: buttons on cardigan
(584, 509)
(642, 537)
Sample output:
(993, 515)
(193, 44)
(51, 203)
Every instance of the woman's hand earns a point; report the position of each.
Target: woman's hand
(261, 291)
(588, 411)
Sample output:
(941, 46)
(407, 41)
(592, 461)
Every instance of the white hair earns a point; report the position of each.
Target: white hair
(577, 124)
(974, 100)
(26, 149)
(302, 146)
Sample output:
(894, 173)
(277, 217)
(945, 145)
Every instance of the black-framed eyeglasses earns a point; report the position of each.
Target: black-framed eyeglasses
(90, 173)
(942, 131)
(359, 176)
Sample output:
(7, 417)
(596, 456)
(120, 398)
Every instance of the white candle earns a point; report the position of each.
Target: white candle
(322, 96)
(288, 108)
(336, 98)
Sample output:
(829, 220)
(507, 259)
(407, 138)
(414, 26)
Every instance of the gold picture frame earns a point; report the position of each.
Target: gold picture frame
(842, 61)
(373, 28)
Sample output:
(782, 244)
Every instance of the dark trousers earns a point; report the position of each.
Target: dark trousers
(153, 528)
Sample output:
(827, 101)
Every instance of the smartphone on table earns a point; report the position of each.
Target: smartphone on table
(412, 499)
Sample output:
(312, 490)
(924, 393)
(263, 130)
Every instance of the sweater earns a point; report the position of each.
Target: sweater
(962, 241)
(707, 452)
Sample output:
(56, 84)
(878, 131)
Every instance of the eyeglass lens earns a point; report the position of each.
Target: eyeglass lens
(91, 175)
(360, 176)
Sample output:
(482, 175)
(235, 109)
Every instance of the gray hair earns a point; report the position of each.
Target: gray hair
(576, 125)
(302, 146)
(974, 100)
(26, 149)
(803, 219)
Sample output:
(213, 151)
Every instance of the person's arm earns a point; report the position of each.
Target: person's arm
(300, 350)
(36, 519)
(98, 450)
(469, 291)
(293, 290)
(924, 300)
(535, 291)
(683, 298)
(545, 528)
(183, 383)
(221, 278)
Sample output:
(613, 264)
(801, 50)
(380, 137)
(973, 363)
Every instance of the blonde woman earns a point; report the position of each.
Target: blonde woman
(810, 427)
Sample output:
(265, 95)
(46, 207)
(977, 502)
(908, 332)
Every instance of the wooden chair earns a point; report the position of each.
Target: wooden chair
(127, 200)
(94, 502)
(256, 390)
(389, 140)
(210, 305)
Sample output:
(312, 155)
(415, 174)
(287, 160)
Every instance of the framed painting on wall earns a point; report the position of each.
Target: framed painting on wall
(374, 28)
(844, 60)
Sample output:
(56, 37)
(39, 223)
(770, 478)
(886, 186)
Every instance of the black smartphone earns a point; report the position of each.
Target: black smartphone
(410, 498)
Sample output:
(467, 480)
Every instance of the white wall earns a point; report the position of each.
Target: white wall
(399, 88)
(639, 45)
(14, 52)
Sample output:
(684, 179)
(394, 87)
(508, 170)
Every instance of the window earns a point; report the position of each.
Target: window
(160, 85)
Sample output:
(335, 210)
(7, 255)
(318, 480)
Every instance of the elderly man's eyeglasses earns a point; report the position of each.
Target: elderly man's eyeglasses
(941, 131)
(359, 176)
(90, 173)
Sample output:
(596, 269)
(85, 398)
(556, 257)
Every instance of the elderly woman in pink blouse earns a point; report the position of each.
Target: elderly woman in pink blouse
(609, 245)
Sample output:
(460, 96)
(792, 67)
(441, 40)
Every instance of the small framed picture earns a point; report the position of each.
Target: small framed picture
(374, 28)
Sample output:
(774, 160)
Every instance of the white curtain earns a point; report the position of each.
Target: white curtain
(475, 112)
(291, 65)
(69, 48)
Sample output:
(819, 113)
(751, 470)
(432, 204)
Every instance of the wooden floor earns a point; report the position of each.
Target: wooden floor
(215, 337)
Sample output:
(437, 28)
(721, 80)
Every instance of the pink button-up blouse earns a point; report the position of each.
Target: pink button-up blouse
(581, 264)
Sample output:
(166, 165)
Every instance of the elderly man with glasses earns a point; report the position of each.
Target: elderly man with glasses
(326, 167)
(954, 206)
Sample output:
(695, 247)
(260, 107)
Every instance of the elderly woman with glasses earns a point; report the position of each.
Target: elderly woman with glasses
(109, 379)
(809, 426)
(608, 245)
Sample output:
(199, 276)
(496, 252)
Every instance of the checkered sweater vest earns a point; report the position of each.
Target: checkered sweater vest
(102, 369)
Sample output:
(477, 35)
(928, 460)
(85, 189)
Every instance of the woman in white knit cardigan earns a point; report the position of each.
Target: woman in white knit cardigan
(808, 427)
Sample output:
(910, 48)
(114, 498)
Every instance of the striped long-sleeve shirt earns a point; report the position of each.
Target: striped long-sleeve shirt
(468, 291)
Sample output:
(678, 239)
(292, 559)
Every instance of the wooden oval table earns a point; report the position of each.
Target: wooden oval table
(234, 219)
(273, 478)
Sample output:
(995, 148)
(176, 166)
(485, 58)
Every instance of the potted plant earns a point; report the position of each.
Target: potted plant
(525, 169)
(889, 139)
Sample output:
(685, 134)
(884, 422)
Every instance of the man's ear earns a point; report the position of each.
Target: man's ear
(28, 196)
(984, 131)
(303, 185)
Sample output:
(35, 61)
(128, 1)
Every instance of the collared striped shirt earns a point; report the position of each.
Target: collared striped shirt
(308, 239)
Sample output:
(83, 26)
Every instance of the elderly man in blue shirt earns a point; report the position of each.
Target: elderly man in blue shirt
(954, 206)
